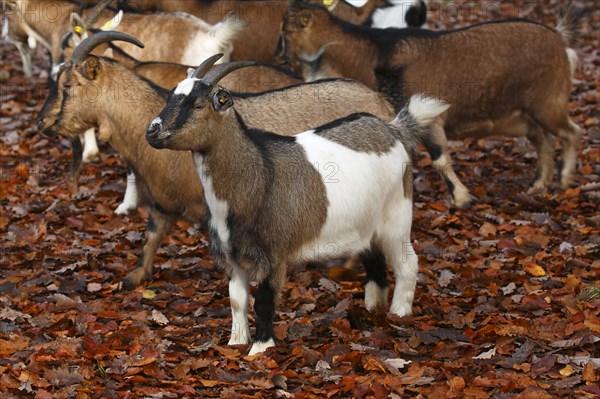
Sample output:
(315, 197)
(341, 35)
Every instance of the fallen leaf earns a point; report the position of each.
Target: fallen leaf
(534, 270)
(567, 370)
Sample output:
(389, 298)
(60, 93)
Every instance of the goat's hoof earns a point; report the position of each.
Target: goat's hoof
(260, 347)
(537, 189)
(134, 279)
(464, 201)
(124, 209)
(88, 157)
(566, 184)
(233, 341)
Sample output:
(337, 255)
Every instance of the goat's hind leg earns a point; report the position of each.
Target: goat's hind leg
(569, 135)
(544, 145)
(158, 226)
(437, 147)
(377, 286)
(394, 237)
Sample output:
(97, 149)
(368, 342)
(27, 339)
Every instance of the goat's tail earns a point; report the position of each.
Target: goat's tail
(569, 24)
(415, 119)
(226, 31)
(568, 27)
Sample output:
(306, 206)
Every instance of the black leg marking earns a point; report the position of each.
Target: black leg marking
(151, 227)
(264, 308)
(375, 266)
(434, 150)
(450, 186)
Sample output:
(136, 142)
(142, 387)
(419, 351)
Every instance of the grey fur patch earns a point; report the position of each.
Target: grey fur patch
(407, 181)
(360, 133)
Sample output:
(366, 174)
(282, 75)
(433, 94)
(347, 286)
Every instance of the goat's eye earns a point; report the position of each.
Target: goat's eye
(305, 19)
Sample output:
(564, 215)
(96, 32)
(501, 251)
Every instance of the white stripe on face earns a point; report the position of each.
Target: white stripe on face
(186, 86)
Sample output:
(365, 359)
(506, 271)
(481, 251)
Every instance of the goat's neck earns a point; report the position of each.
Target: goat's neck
(129, 107)
(234, 163)
(336, 62)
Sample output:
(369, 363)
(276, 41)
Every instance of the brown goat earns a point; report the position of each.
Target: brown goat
(262, 19)
(123, 103)
(505, 77)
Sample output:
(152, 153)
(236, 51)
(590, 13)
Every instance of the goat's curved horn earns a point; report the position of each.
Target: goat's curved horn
(95, 13)
(221, 70)
(205, 66)
(85, 47)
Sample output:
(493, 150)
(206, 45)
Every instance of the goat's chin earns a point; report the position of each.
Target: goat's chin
(50, 131)
(157, 143)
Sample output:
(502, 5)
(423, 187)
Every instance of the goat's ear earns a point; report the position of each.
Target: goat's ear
(78, 28)
(113, 23)
(305, 18)
(90, 68)
(222, 100)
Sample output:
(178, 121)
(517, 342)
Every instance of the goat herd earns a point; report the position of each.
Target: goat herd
(284, 164)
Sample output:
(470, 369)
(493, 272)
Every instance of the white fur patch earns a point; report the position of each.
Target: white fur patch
(239, 292)
(218, 208)
(260, 347)
(186, 86)
(55, 69)
(573, 60)
(156, 121)
(375, 295)
(359, 186)
(392, 17)
(357, 3)
(424, 109)
(90, 146)
(212, 39)
(130, 201)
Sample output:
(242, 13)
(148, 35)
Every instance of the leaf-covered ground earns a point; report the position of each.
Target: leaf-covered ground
(507, 304)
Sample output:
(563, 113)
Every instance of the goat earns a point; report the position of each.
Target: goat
(270, 201)
(184, 39)
(503, 77)
(249, 80)
(263, 18)
(96, 91)
(29, 22)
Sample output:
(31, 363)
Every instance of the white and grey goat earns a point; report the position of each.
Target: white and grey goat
(272, 202)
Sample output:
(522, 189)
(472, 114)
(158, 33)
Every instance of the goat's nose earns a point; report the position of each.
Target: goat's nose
(152, 129)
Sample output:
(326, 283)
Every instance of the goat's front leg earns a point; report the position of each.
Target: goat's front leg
(239, 293)
(437, 146)
(158, 226)
(264, 308)
(90, 146)
(130, 201)
(77, 151)
(25, 54)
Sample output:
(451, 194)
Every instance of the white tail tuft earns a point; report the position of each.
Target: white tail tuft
(424, 109)
(226, 31)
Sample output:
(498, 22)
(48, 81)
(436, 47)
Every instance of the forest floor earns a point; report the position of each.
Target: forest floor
(507, 302)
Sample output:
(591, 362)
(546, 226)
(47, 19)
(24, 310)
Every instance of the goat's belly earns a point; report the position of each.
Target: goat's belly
(516, 124)
(324, 248)
(360, 186)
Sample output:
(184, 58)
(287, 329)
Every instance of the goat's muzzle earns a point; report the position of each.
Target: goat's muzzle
(155, 137)
(46, 127)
